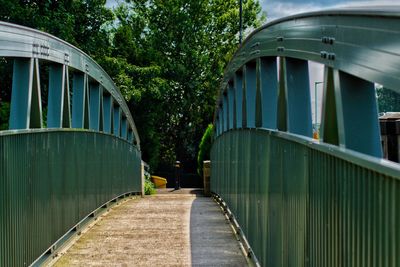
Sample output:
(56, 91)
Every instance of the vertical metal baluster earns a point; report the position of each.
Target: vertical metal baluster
(357, 112)
(329, 127)
(238, 84)
(298, 97)
(117, 120)
(107, 108)
(130, 135)
(281, 115)
(21, 94)
(231, 105)
(66, 111)
(249, 89)
(124, 127)
(56, 96)
(225, 108)
(94, 104)
(36, 117)
(267, 86)
(79, 95)
(221, 119)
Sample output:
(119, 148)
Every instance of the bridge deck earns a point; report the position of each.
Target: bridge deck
(161, 230)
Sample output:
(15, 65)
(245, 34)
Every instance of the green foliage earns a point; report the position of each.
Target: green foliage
(149, 188)
(204, 148)
(4, 115)
(167, 58)
(190, 42)
(388, 100)
(79, 22)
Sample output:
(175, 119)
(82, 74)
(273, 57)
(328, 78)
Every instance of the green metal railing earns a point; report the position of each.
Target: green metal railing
(300, 201)
(56, 173)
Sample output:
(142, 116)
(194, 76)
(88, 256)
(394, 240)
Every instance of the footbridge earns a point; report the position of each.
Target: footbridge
(292, 200)
(301, 201)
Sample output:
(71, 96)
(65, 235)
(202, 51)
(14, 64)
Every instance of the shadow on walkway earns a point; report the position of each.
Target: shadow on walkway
(172, 228)
(212, 241)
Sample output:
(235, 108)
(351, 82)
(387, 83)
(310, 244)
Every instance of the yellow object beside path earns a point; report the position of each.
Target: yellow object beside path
(159, 182)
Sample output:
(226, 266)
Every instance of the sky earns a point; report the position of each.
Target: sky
(281, 8)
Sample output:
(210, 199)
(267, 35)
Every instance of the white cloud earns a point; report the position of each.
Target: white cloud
(282, 8)
(278, 9)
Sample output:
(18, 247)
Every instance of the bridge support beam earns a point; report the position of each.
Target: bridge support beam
(58, 110)
(26, 104)
(80, 101)
(124, 127)
(130, 135)
(295, 80)
(220, 119)
(225, 110)
(95, 106)
(267, 84)
(238, 84)
(357, 113)
(58, 103)
(329, 122)
(217, 126)
(117, 120)
(249, 89)
(231, 105)
(107, 110)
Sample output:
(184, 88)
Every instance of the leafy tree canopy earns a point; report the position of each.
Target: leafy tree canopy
(388, 100)
(190, 42)
(167, 58)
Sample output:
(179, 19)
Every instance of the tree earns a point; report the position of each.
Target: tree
(191, 43)
(204, 148)
(82, 23)
(167, 58)
(388, 100)
(79, 22)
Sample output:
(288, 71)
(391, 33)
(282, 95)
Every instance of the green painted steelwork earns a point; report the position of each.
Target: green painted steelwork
(249, 89)
(231, 105)
(304, 203)
(238, 87)
(51, 180)
(117, 121)
(58, 97)
(95, 99)
(267, 83)
(80, 101)
(354, 43)
(107, 119)
(23, 43)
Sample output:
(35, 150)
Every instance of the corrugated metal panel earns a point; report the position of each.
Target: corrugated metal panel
(301, 203)
(50, 180)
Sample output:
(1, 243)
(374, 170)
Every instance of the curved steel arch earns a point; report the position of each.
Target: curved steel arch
(299, 201)
(358, 47)
(22, 42)
(54, 179)
(363, 42)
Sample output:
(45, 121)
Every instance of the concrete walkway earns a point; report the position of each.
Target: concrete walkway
(168, 229)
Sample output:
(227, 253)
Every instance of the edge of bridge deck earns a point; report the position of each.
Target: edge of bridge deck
(51, 255)
(202, 247)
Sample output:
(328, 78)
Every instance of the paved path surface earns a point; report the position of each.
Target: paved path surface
(169, 229)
